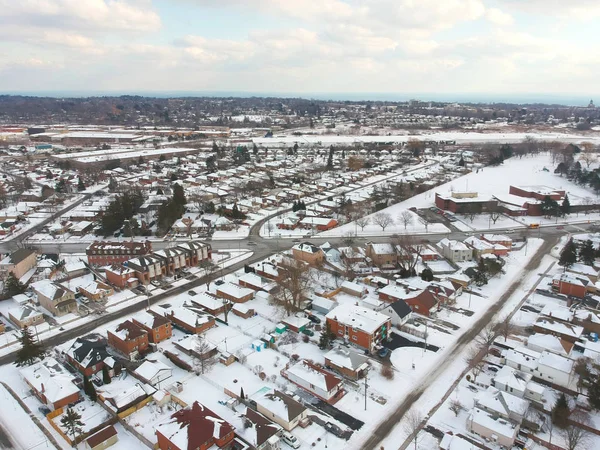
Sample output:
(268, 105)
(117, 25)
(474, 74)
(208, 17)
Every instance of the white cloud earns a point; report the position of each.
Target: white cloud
(499, 17)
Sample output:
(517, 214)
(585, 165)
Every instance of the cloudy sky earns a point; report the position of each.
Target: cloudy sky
(301, 46)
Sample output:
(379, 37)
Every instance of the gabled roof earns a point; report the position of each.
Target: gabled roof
(88, 350)
(401, 308)
(193, 427)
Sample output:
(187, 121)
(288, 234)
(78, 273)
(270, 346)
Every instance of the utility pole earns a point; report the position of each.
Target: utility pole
(366, 385)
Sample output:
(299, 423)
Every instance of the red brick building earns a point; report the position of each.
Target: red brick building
(128, 339)
(194, 428)
(360, 326)
(194, 322)
(158, 327)
(87, 354)
(121, 276)
(568, 284)
(102, 253)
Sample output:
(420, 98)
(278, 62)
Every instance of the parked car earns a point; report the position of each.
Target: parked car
(290, 439)
(296, 241)
(308, 332)
(313, 318)
(251, 243)
(192, 293)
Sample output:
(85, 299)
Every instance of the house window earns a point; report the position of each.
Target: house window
(340, 332)
(354, 338)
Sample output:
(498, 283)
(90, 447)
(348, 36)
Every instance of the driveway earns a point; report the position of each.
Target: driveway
(398, 341)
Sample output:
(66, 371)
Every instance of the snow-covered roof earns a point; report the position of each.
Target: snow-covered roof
(50, 378)
(358, 317)
(500, 402)
(501, 427)
(555, 361)
(234, 290)
(347, 358)
(150, 369)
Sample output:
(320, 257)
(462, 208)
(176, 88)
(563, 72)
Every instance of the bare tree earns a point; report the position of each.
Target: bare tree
(412, 426)
(362, 222)
(406, 218)
(348, 239)
(383, 220)
(227, 305)
(409, 249)
(587, 154)
(475, 361)
(209, 270)
(425, 222)
(456, 406)
(588, 201)
(293, 284)
(470, 212)
(486, 337)
(204, 358)
(575, 435)
(506, 327)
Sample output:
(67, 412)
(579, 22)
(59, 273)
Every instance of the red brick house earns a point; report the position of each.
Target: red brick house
(121, 276)
(194, 428)
(158, 327)
(102, 253)
(234, 293)
(51, 383)
(87, 354)
(360, 326)
(568, 284)
(129, 339)
(425, 303)
(190, 321)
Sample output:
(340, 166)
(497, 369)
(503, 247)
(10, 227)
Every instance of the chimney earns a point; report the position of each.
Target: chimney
(43, 388)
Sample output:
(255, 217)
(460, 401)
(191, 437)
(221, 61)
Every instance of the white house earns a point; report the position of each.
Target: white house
(315, 380)
(455, 251)
(493, 428)
(399, 312)
(154, 372)
(554, 368)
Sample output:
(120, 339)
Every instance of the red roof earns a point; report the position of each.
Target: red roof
(202, 425)
(101, 436)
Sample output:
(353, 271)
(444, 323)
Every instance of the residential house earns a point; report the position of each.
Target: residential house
(190, 320)
(96, 291)
(25, 316)
(262, 434)
(316, 380)
(121, 276)
(539, 342)
(255, 282)
(308, 253)
(504, 242)
(280, 408)
(196, 252)
(383, 256)
(51, 383)
(509, 379)
(104, 438)
(349, 363)
(211, 304)
(570, 284)
(102, 253)
(361, 326)
(354, 289)
(455, 251)
(158, 327)
(399, 312)
(153, 372)
(555, 327)
(192, 428)
(147, 268)
(318, 223)
(128, 339)
(18, 263)
(234, 293)
(583, 270)
(555, 369)
(479, 246)
(493, 428)
(426, 302)
(174, 259)
(54, 297)
(243, 310)
(503, 404)
(87, 354)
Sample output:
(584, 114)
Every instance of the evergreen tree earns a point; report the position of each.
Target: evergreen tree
(587, 253)
(427, 274)
(594, 393)
(550, 207)
(179, 195)
(30, 349)
(71, 421)
(568, 256)
(112, 184)
(330, 159)
(105, 375)
(461, 163)
(80, 185)
(566, 206)
(561, 412)
(254, 149)
(12, 286)
(60, 186)
(326, 337)
(140, 160)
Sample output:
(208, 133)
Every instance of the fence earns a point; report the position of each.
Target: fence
(82, 436)
(134, 408)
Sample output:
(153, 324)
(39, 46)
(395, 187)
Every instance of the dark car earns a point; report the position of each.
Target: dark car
(192, 293)
(308, 332)
(313, 318)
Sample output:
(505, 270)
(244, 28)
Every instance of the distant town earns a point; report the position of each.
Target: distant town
(271, 273)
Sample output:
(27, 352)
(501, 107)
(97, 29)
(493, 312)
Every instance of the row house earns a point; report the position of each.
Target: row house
(174, 259)
(121, 276)
(147, 268)
(101, 253)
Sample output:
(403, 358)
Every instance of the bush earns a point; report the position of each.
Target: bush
(387, 372)
(295, 357)
(262, 376)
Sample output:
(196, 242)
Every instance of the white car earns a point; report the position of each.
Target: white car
(290, 439)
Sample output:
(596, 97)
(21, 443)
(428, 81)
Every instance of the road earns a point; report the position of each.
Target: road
(5, 441)
(394, 418)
